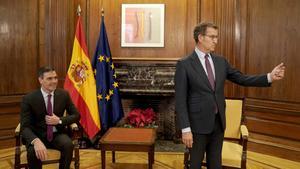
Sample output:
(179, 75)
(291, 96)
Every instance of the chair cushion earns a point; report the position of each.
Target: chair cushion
(52, 154)
(232, 154)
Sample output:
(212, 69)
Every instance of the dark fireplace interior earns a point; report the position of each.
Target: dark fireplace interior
(162, 105)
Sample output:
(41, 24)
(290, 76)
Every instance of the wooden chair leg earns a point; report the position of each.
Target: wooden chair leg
(77, 159)
(186, 159)
(113, 156)
(17, 157)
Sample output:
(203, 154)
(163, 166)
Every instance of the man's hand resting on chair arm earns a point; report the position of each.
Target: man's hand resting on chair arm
(40, 149)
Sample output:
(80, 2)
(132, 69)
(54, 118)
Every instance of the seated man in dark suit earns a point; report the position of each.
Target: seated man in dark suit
(43, 123)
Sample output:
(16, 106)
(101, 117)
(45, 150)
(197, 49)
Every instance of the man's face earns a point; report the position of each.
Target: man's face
(208, 42)
(49, 81)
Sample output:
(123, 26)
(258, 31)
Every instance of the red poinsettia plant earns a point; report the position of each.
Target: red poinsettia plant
(141, 118)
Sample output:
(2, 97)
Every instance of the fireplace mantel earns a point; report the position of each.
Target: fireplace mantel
(146, 79)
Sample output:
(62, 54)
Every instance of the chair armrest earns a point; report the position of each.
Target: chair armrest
(244, 132)
(74, 127)
(74, 131)
(244, 141)
(17, 130)
(18, 138)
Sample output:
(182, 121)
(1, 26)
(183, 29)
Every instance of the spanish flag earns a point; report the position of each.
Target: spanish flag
(81, 84)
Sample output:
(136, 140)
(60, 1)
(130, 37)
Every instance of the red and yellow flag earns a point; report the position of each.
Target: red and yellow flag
(81, 84)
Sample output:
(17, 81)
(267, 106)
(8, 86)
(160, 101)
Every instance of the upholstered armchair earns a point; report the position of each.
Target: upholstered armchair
(53, 155)
(234, 152)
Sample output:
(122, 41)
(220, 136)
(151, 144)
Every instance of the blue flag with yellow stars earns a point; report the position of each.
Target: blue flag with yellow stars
(109, 101)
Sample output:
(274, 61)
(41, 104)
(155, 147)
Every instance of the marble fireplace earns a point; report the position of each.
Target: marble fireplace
(150, 85)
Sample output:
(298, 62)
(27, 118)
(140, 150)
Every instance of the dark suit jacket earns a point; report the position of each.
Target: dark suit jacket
(33, 112)
(195, 99)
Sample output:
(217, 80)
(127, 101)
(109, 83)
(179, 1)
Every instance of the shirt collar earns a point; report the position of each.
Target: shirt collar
(201, 54)
(45, 94)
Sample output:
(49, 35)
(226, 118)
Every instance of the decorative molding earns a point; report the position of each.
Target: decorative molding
(262, 105)
(268, 122)
(9, 109)
(4, 100)
(144, 59)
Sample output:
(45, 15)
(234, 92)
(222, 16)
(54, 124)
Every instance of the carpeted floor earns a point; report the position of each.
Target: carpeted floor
(168, 146)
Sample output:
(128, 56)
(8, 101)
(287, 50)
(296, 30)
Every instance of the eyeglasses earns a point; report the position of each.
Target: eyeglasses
(212, 36)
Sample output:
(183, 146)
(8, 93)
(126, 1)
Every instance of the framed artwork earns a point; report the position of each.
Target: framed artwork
(142, 25)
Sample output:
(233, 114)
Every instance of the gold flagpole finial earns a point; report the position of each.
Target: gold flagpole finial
(102, 12)
(78, 10)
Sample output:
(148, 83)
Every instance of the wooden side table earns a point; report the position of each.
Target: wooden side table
(128, 139)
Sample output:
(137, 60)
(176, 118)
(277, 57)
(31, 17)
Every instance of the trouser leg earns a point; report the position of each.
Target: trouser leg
(198, 150)
(214, 146)
(33, 162)
(64, 144)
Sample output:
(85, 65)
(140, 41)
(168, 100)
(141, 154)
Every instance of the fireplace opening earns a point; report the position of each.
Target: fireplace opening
(162, 105)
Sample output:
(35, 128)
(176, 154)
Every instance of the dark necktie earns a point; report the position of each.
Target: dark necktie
(210, 74)
(211, 78)
(49, 112)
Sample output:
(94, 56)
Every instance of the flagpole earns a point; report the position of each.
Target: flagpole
(78, 10)
(102, 12)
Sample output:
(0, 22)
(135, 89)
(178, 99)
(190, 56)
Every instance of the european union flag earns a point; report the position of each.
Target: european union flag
(109, 101)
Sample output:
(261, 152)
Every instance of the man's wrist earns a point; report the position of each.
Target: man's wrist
(33, 141)
(186, 130)
(269, 77)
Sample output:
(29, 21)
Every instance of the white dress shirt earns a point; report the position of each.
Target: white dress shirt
(45, 96)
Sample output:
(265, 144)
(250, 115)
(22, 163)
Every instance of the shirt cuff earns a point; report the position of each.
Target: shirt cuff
(185, 130)
(33, 141)
(269, 77)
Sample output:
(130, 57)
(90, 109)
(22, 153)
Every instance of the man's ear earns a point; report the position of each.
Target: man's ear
(200, 38)
(40, 80)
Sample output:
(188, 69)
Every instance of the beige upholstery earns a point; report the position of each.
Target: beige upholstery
(233, 118)
(53, 155)
(231, 154)
(234, 152)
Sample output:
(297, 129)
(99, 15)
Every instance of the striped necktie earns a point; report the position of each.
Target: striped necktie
(210, 74)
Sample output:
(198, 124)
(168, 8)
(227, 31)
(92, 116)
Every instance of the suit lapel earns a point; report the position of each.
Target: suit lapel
(41, 102)
(56, 101)
(199, 69)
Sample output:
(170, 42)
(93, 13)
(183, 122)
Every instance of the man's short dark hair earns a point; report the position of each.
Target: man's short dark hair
(45, 69)
(201, 28)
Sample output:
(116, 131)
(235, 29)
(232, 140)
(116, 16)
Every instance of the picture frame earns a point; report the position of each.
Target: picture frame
(142, 25)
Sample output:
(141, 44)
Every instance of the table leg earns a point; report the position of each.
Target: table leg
(103, 159)
(113, 156)
(153, 155)
(150, 159)
(152, 151)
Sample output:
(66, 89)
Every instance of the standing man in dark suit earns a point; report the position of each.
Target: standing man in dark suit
(43, 123)
(200, 100)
